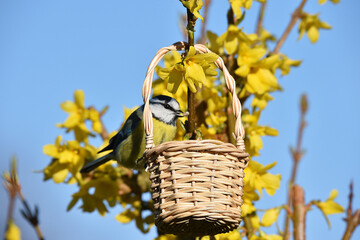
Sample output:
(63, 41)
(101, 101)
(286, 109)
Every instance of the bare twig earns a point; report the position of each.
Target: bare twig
(352, 219)
(299, 212)
(203, 26)
(294, 17)
(12, 186)
(230, 61)
(183, 20)
(296, 155)
(248, 226)
(260, 20)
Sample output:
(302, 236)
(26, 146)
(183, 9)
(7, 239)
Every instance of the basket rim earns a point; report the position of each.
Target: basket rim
(207, 145)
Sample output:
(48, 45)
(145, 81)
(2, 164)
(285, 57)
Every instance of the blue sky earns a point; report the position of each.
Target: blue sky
(48, 49)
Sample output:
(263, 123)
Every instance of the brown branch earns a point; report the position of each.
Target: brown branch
(248, 226)
(352, 219)
(294, 17)
(299, 212)
(12, 186)
(351, 196)
(296, 155)
(231, 64)
(10, 210)
(191, 126)
(260, 20)
(203, 26)
(183, 20)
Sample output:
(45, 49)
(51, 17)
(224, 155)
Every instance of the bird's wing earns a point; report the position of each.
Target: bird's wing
(130, 125)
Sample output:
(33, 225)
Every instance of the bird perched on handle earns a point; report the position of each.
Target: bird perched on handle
(128, 145)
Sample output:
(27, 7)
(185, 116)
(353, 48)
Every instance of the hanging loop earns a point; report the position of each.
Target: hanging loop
(230, 83)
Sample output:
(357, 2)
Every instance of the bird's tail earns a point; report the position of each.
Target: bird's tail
(94, 164)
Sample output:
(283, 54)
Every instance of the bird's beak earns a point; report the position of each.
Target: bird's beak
(181, 114)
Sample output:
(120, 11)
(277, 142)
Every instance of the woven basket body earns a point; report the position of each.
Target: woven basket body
(197, 186)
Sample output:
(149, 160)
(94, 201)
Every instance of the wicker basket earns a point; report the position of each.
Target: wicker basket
(196, 185)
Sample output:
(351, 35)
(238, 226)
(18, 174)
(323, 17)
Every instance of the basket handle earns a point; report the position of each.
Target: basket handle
(230, 83)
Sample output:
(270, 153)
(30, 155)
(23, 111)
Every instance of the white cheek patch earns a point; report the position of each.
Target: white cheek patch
(162, 114)
(174, 104)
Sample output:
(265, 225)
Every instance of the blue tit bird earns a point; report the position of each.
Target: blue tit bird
(128, 145)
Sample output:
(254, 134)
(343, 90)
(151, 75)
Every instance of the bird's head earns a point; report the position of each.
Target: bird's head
(165, 109)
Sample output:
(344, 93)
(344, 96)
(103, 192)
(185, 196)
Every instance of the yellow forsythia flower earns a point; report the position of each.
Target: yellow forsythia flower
(330, 206)
(68, 157)
(13, 231)
(263, 236)
(253, 142)
(166, 237)
(191, 69)
(286, 63)
(105, 189)
(265, 36)
(257, 177)
(247, 58)
(236, 6)
(310, 23)
(233, 235)
(77, 116)
(256, 69)
(94, 116)
(270, 216)
(324, 1)
(231, 39)
(260, 101)
(194, 6)
(213, 44)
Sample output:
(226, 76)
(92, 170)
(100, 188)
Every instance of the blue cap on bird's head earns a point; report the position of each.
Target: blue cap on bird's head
(165, 109)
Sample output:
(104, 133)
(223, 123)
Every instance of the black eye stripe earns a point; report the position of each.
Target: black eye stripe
(167, 106)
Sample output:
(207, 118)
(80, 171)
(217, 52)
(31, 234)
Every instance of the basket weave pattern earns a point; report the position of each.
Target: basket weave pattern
(196, 185)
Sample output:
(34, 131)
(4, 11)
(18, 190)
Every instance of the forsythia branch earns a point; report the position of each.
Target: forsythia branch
(294, 17)
(296, 155)
(191, 96)
(260, 20)
(13, 186)
(203, 26)
(352, 219)
(299, 212)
